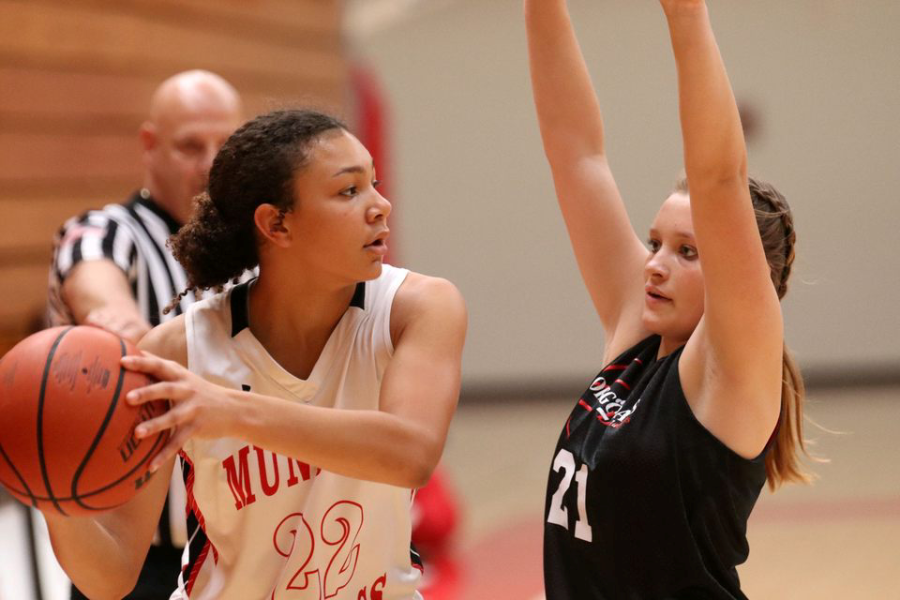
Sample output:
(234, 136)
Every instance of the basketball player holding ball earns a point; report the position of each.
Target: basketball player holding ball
(307, 403)
(659, 465)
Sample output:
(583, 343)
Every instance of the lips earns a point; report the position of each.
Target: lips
(654, 295)
(379, 243)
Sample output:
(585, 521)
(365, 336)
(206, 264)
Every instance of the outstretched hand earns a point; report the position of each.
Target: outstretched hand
(198, 409)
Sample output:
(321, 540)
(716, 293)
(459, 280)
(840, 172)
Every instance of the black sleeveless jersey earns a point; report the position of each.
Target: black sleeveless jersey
(643, 502)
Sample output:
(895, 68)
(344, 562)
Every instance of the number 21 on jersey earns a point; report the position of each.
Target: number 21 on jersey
(559, 514)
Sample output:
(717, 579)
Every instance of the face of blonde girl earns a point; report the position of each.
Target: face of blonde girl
(673, 292)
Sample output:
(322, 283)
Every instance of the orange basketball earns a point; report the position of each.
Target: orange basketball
(66, 433)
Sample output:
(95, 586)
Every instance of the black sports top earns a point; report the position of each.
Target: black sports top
(643, 502)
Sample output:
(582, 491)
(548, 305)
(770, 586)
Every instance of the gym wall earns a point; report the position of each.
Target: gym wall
(75, 84)
(476, 201)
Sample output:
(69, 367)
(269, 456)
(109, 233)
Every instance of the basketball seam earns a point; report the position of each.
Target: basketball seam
(21, 479)
(106, 419)
(40, 420)
(161, 439)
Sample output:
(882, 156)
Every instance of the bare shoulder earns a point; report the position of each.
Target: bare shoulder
(168, 340)
(424, 299)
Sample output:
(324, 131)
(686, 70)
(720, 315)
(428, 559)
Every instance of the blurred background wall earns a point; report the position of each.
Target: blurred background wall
(474, 200)
(820, 79)
(75, 84)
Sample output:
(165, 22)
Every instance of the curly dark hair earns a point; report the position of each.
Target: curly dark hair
(257, 165)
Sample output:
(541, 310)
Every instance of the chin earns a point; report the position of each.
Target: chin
(660, 327)
(373, 271)
(651, 323)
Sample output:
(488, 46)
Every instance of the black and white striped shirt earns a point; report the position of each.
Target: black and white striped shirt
(133, 236)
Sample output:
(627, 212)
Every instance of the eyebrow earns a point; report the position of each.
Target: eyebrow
(682, 234)
(353, 169)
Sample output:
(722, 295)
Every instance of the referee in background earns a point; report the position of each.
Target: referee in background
(111, 267)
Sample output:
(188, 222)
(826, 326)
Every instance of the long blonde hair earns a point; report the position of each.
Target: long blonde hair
(776, 229)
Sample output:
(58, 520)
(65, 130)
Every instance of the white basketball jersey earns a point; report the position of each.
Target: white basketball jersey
(262, 525)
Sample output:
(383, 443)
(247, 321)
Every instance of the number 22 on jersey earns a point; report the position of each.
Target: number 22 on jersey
(558, 513)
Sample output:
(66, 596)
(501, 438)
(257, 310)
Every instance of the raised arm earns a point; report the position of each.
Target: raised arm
(399, 444)
(609, 253)
(740, 337)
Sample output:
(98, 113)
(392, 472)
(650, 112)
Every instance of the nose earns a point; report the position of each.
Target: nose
(656, 269)
(380, 208)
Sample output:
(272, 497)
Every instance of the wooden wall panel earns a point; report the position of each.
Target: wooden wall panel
(58, 102)
(94, 35)
(75, 82)
(48, 156)
(29, 224)
(20, 303)
(30, 92)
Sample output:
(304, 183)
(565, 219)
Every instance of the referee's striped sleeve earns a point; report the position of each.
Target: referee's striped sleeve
(92, 236)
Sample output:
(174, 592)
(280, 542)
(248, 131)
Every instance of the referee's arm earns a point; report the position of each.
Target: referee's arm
(97, 293)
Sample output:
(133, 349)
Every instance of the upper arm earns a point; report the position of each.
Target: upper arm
(742, 317)
(167, 340)
(731, 368)
(609, 253)
(422, 380)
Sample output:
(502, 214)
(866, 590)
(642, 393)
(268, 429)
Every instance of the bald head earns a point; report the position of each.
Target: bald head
(191, 93)
(191, 116)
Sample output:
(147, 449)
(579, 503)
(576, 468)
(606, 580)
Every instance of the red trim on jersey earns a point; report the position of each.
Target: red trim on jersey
(201, 559)
(625, 385)
(584, 405)
(569, 420)
(192, 507)
(615, 368)
(191, 504)
(638, 361)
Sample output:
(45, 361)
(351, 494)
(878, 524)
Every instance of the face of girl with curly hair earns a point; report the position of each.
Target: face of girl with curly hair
(339, 219)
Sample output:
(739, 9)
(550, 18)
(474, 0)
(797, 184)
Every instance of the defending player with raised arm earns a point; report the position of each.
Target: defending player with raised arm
(663, 457)
(306, 404)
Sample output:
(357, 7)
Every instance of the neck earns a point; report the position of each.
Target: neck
(293, 316)
(668, 345)
(166, 204)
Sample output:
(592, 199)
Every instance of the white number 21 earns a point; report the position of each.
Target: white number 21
(559, 514)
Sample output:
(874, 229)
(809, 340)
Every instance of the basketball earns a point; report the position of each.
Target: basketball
(66, 434)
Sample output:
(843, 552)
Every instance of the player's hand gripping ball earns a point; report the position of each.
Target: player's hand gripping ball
(67, 440)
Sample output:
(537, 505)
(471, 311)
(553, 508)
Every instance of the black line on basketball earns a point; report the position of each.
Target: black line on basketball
(40, 420)
(28, 491)
(159, 441)
(106, 419)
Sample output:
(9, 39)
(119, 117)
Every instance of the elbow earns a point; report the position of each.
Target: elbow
(109, 586)
(111, 581)
(419, 475)
(419, 464)
(721, 174)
